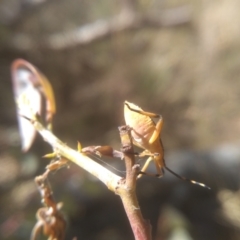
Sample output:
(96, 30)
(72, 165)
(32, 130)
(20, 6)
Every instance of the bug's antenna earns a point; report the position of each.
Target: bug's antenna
(186, 179)
(107, 164)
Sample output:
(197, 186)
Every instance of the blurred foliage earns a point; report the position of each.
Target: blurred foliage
(188, 73)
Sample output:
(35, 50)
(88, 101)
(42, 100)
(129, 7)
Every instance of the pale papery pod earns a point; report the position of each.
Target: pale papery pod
(27, 105)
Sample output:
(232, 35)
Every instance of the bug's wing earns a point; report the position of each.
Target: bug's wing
(28, 100)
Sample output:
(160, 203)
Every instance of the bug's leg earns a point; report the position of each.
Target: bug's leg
(145, 166)
(157, 131)
(144, 154)
(159, 124)
(160, 170)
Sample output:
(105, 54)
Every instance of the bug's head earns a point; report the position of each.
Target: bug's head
(130, 113)
(128, 106)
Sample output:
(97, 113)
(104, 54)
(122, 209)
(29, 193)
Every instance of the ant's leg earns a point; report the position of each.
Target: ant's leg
(159, 124)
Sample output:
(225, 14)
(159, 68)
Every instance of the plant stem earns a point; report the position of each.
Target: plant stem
(103, 174)
(127, 190)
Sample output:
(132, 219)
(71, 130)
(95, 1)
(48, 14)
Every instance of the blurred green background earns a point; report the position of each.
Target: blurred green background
(177, 58)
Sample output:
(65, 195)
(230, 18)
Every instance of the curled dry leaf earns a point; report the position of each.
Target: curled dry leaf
(100, 151)
(29, 86)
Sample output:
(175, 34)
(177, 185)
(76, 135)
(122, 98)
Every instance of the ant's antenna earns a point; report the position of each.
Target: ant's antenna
(186, 179)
